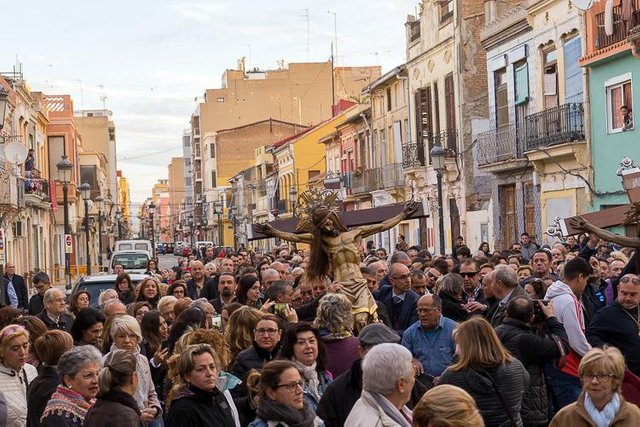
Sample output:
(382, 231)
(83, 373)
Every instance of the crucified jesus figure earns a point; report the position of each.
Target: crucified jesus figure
(580, 223)
(335, 251)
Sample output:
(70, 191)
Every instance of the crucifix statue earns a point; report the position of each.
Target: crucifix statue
(335, 250)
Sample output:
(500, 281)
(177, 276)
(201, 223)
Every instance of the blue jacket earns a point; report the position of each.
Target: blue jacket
(434, 349)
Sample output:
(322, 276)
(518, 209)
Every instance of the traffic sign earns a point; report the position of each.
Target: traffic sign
(68, 244)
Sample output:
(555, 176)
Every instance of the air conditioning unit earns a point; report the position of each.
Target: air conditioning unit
(18, 228)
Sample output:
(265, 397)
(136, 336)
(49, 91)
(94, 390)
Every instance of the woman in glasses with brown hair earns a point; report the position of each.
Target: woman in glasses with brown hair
(280, 398)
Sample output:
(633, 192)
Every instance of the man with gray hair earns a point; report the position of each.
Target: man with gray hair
(505, 288)
(42, 283)
(340, 396)
(269, 276)
(388, 377)
(53, 315)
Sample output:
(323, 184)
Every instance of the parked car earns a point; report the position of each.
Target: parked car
(97, 283)
(132, 261)
(133, 245)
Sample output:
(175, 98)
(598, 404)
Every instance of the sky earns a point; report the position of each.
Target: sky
(148, 61)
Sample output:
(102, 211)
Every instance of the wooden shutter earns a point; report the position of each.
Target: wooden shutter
(450, 105)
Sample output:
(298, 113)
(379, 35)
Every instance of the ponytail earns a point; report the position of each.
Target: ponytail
(117, 371)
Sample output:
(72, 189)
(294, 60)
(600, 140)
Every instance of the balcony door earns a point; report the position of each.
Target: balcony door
(508, 214)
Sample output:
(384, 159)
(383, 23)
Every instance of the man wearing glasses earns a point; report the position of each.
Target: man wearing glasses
(42, 284)
(430, 339)
(400, 301)
(617, 324)
(53, 315)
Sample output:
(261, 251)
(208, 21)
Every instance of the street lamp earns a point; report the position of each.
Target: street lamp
(100, 202)
(119, 219)
(217, 210)
(85, 191)
(233, 210)
(4, 96)
(152, 210)
(437, 155)
(64, 175)
(293, 196)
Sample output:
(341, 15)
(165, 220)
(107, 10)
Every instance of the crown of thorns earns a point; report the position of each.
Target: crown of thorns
(311, 200)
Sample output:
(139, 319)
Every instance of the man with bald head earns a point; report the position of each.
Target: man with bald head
(399, 299)
(617, 324)
(199, 286)
(430, 339)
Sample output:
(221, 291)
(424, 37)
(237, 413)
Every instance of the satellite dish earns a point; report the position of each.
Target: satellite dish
(582, 4)
(15, 153)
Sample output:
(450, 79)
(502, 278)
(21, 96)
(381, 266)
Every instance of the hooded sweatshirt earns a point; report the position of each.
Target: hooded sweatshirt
(569, 311)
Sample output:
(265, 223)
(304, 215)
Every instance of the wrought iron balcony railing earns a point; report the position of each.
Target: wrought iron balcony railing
(557, 125)
(499, 145)
(382, 178)
(416, 154)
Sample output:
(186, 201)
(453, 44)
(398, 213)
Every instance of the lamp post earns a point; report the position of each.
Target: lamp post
(119, 219)
(64, 175)
(191, 231)
(4, 107)
(232, 213)
(152, 210)
(100, 202)
(293, 196)
(217, 209)
(437, 155)
(85, 191)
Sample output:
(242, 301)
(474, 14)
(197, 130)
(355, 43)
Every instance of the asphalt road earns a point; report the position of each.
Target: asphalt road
(167, 261)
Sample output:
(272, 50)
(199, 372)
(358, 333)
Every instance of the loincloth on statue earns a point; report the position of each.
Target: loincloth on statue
(358, 293)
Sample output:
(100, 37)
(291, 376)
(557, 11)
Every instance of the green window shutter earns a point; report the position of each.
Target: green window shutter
(521, 72)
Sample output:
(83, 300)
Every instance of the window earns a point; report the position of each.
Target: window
(213, 179)
(220, 99)
(550, 76)
(619, 104)
(450, 109)
(212, 150)
(436, 107)
(446, 10)
(388, 99)
(501, 98)
(521, 74)
(573, 71)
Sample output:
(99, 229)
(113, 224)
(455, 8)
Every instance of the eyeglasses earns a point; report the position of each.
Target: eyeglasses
(427, 310)
(602, 378)
(266, 331)
(292, 386)
(469, 274)
(433, 276)
(402, 277)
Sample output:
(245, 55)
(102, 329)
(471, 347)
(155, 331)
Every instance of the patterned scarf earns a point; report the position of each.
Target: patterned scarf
(270, 410)
(311, 378)
(65, 401)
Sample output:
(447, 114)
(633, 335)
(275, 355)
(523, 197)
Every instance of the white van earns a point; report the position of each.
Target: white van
(132, 261)
(133, 245)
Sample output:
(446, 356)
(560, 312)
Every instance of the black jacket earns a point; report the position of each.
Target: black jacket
(511, 380)
(114, 409)
(39, 393)
(253, 357)
(593, 299)
(498, 316)
(64, 324)
(36, 304)
(403, 314)
(199, 408)
(21, 290)
(209, 289)
(533, 351)
(341, 395)
(452, 308)
(307, 312)
(616, 326)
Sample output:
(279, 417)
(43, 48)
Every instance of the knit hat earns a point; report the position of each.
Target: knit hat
(377, 333)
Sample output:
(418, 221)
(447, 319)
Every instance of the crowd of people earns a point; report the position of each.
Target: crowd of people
(529, 336)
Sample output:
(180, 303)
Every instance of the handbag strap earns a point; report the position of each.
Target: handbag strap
(502, 402)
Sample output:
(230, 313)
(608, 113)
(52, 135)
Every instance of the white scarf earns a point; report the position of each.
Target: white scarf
(311, 378)
(605, 417)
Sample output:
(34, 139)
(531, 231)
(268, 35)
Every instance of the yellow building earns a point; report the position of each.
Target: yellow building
(124, 205)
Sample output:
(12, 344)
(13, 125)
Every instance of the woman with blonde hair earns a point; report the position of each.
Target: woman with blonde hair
(447, 406)
(485, 369)
(600, 403)
(149, 291)
(239, 330)
(15, 374)
(197, 399)
(334, 320)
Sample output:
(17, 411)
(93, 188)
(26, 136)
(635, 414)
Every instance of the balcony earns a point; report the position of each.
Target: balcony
(384, 178)
(36, 189)
(501, 149)
(415, 154)
(620, 33)
(553, 126)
